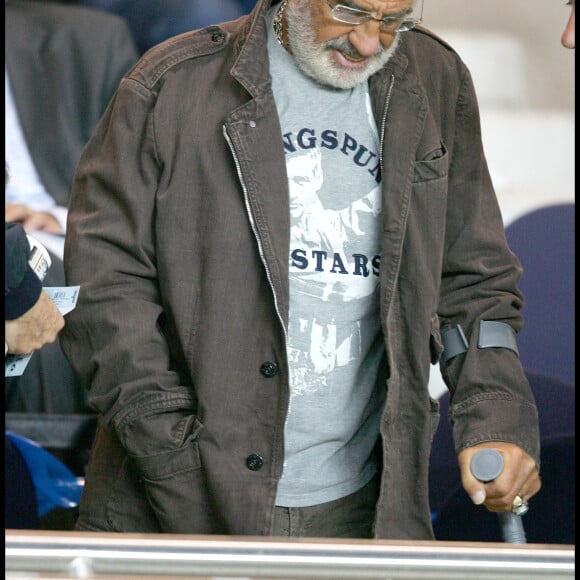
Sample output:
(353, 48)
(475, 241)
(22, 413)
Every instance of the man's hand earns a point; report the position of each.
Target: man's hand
(519, 477)
(35, 328)
(31, 219)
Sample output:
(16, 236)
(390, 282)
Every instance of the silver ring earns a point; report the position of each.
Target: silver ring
(520, 506)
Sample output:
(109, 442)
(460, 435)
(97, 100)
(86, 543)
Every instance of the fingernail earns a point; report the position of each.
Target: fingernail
(478, 497)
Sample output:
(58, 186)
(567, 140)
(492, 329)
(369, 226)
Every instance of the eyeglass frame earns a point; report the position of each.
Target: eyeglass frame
(366, 15)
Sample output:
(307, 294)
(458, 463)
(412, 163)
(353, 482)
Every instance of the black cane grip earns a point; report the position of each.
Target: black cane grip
(486, 465)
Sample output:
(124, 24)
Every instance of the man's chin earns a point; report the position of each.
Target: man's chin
(329, 67)
(333, 73)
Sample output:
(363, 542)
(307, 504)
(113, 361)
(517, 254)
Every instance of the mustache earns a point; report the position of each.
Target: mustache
(344, 45)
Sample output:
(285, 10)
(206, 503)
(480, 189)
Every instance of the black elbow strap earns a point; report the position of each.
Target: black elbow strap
(492, 334)
(454, 343)
(497, 334)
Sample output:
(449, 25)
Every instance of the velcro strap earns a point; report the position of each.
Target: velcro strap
(454, 343)
(494, 334)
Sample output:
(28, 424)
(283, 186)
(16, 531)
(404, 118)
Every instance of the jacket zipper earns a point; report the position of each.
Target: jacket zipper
(384, 122)
(254, 228)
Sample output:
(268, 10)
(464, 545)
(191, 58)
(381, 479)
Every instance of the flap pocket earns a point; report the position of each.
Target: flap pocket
(173, 461)
(170, 463)
(434, 165)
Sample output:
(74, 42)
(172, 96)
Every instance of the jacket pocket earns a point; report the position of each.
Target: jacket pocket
(176, 489)
(434, 165)
(168, 464)
(128, 509)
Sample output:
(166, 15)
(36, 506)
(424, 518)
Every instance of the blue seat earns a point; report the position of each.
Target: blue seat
(543, 240)
(53, 484)
(551, 519)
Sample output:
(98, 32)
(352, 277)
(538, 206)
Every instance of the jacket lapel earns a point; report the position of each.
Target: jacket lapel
(253, 129)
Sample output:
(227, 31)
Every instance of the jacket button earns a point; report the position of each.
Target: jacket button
(254, 462)
(216, 32)
(269, 369)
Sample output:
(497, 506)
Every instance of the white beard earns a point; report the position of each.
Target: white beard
(317, 61)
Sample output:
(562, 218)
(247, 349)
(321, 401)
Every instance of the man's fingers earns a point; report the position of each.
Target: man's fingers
(42, 221)
(16, 212)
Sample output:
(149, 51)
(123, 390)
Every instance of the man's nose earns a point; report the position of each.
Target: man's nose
(366, 37)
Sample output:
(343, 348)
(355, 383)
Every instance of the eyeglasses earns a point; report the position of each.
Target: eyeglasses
(399, 22)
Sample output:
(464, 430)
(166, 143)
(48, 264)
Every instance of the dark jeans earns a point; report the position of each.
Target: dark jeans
(348, 517)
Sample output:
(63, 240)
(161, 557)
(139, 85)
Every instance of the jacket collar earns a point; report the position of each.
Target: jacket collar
(251, 66)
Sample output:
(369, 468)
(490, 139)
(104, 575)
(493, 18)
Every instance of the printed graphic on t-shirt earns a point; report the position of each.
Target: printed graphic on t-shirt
(334, 263)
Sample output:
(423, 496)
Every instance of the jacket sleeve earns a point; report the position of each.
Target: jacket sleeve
(491, 399)
(113, 338)
(22, 285)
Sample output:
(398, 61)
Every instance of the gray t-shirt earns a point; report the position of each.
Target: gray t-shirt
(334, 337)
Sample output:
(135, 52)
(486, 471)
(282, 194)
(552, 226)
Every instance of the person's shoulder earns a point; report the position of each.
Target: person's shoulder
(71, 17)
(431, 54)
(188, 47)
(426, 39)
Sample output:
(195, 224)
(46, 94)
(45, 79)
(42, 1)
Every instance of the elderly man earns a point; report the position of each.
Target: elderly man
(279, 224)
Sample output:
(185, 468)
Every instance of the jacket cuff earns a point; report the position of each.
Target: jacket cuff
(22, 298)
(516, 420)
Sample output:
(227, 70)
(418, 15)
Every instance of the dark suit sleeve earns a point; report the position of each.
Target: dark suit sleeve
(22, 286)
(63, 81)
(122, 56)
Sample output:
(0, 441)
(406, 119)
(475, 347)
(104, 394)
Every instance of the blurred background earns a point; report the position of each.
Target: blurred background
(531, 30)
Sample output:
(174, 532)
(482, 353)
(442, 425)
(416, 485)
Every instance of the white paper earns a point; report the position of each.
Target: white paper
(64, 297)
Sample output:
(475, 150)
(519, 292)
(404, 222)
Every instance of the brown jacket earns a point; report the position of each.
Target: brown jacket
(179, 237)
